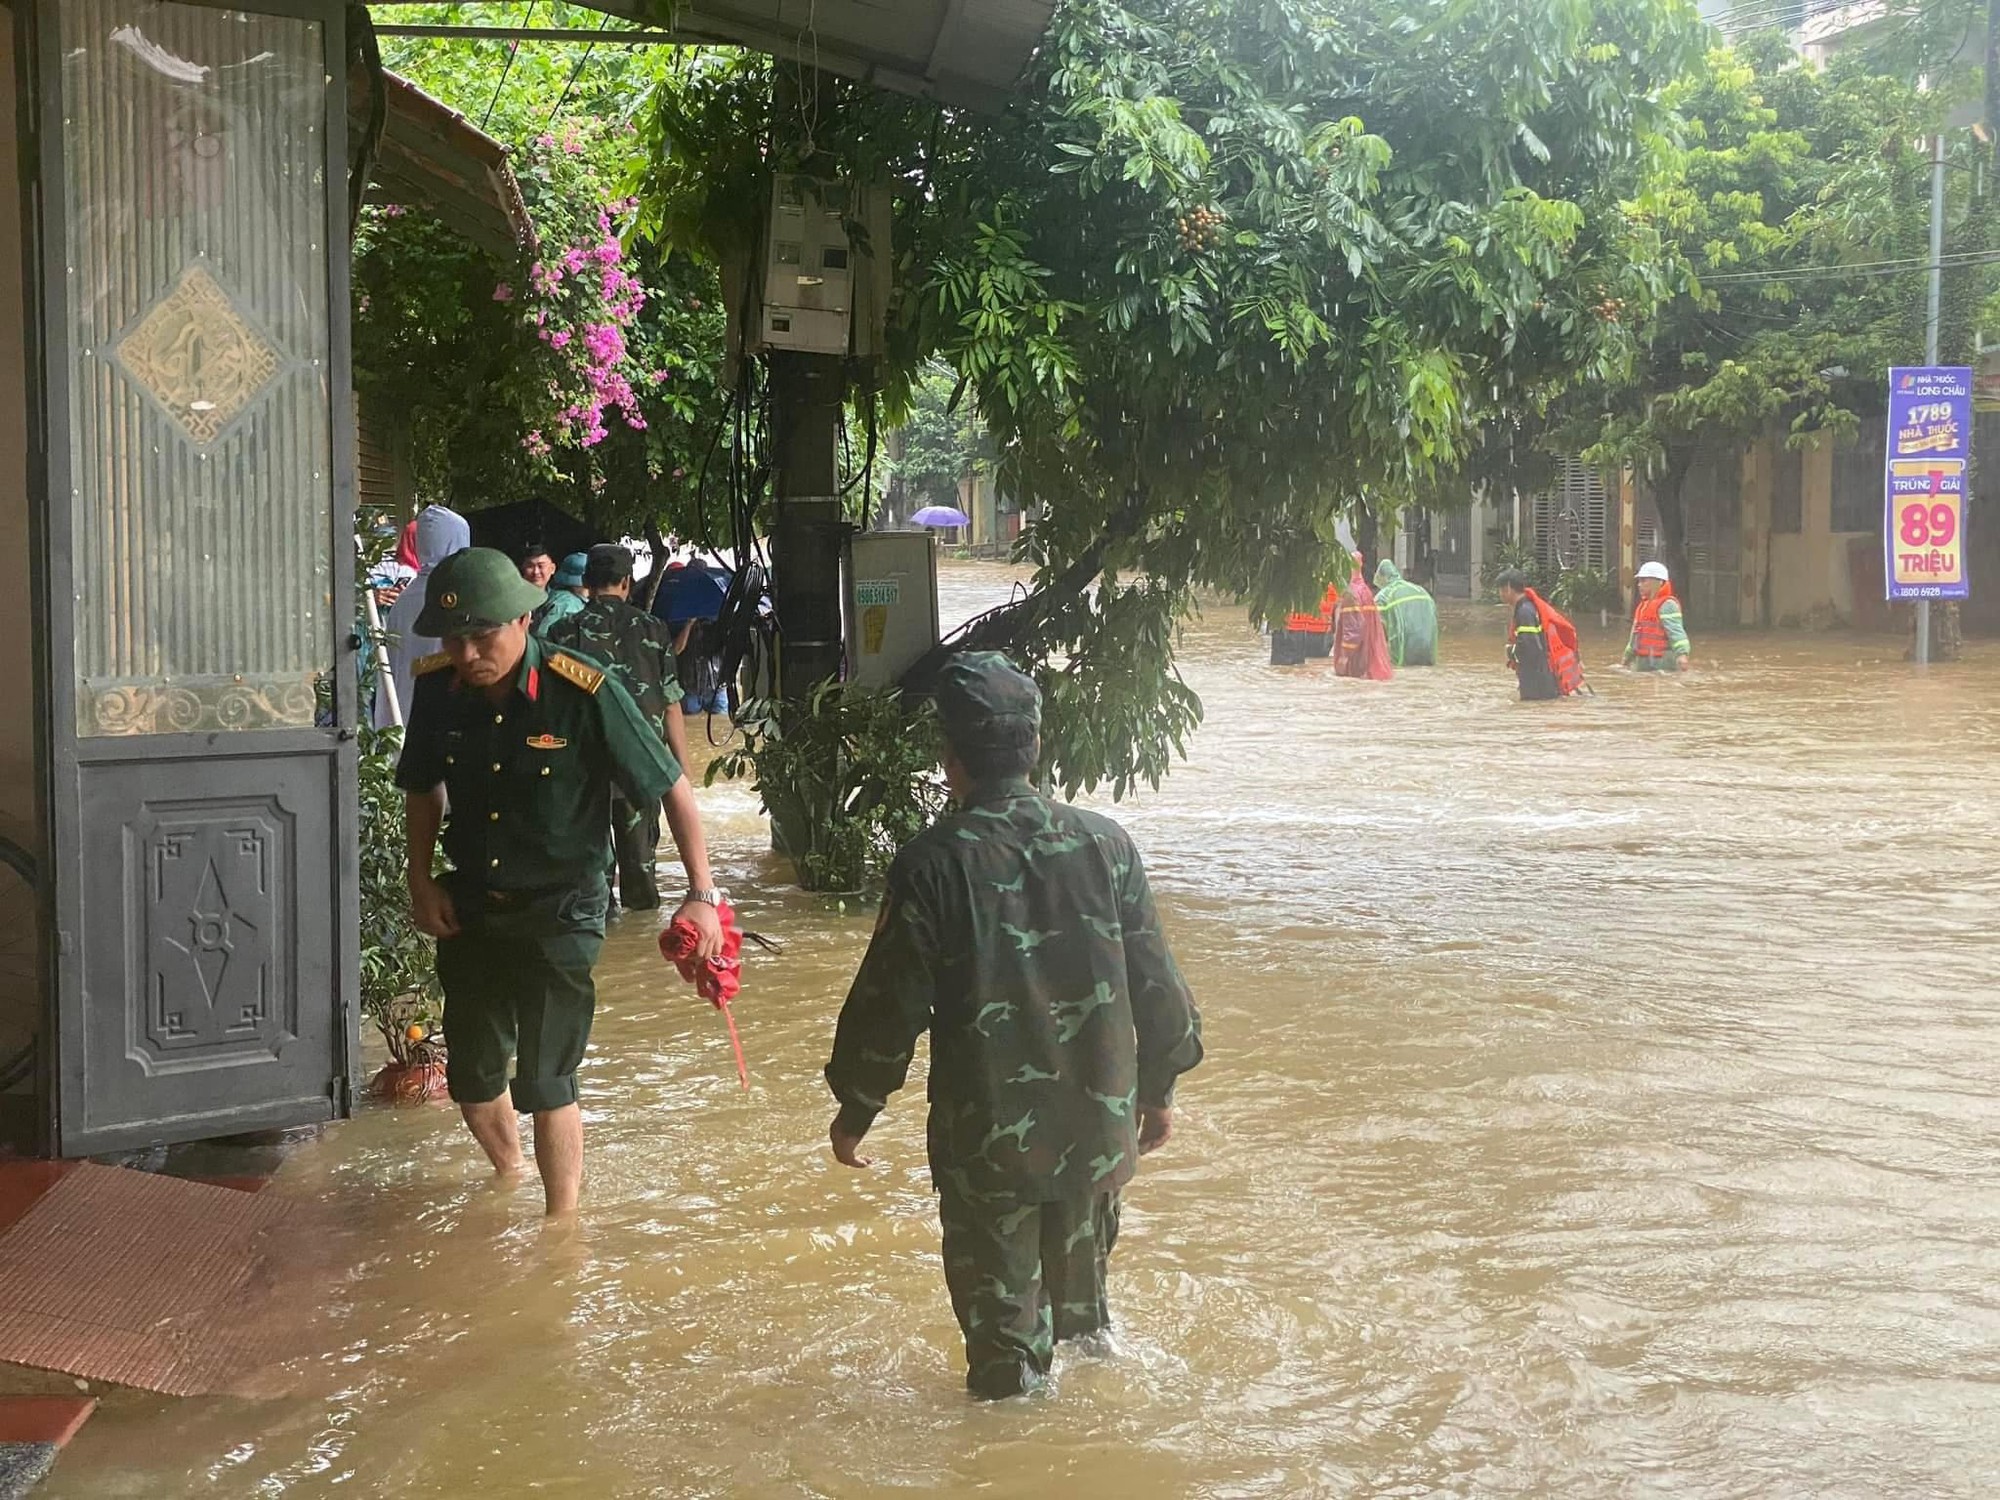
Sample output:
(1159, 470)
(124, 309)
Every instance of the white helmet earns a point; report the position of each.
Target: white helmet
(1657, 570)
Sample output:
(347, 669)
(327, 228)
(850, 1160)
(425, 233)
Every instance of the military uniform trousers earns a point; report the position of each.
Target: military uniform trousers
(517, 986)
(635, 848)
(1023, 1278)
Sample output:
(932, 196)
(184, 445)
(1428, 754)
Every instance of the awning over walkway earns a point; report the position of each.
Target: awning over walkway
(433, 158)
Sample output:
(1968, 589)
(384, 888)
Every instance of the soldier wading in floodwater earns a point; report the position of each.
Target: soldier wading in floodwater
(638, 651)
(528, 741)
(1021, 934)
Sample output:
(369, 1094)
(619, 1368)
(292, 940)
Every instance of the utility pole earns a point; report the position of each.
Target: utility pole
(808, 401)
(808, 392)
(1923, 651)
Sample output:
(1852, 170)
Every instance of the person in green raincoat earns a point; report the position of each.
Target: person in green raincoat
(1409, 616)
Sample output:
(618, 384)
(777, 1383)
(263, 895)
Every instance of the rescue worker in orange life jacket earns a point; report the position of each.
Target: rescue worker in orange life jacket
(1659, 637)
(1528, 645)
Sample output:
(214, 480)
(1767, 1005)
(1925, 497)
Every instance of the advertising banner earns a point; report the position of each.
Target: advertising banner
(1929, 453)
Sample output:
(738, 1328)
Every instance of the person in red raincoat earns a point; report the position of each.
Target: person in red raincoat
(1360, 644)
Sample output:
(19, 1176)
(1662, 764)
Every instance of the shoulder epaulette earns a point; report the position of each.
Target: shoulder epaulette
(425, 665)
(573, 671)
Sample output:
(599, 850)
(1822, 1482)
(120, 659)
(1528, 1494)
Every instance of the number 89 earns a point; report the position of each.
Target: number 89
(1929, 525)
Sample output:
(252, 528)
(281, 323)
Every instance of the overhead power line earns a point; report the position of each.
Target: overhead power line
(1860, 268)
(513, 50)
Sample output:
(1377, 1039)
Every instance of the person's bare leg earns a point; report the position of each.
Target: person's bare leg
(494, 1126)
(559, 1155)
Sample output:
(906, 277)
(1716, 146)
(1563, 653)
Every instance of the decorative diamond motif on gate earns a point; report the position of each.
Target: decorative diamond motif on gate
(199, 357)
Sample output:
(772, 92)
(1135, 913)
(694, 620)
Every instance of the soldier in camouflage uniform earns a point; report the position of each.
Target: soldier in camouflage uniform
(638, 651)
(1021, 934)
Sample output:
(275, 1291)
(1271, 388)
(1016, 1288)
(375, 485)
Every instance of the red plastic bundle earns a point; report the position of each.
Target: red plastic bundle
(717, 980)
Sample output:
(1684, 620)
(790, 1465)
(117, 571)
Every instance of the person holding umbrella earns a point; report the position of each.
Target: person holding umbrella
(941, 518)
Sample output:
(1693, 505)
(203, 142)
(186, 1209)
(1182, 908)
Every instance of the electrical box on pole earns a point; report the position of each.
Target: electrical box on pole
(808, 267)
(892, 604)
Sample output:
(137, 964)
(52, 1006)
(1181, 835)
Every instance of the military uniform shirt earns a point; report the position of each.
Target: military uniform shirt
(529, 778)
(559, 606)
(1021, 933)
(635, 648)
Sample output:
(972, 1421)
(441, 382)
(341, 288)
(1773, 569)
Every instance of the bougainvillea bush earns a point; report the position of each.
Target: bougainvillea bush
(582, 373)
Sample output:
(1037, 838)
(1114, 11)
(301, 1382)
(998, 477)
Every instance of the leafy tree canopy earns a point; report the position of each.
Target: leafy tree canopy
(943, 440)
(1791, 187)
(1221, 269)
(586, 374)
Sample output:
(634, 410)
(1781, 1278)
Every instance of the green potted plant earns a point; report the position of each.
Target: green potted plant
(400, 994)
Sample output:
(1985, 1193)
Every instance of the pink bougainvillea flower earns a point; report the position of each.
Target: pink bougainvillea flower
(608, 251)
(605, 343)
(503, 293)
(559, 339)
(575, 259)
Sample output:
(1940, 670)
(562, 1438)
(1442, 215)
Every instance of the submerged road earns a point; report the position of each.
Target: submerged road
(1604, 1100)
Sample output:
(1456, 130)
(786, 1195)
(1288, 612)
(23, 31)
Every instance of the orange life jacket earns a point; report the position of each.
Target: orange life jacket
(1320, 623)
(1565, 659)
(1649, 636)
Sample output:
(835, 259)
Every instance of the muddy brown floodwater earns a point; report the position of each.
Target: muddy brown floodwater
(1603, 1100)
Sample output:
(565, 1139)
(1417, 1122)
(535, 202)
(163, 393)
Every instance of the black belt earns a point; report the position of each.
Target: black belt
(509, 900)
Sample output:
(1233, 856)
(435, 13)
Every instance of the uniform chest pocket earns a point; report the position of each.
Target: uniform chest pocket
(546, 767)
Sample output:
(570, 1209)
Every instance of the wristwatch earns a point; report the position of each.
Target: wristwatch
(709, 897)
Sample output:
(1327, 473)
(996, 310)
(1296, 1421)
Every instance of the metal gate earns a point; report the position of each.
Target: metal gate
(196, 473)
(1572, 521)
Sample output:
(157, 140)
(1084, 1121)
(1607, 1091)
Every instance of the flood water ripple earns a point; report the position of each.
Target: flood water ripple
(1602, 1101)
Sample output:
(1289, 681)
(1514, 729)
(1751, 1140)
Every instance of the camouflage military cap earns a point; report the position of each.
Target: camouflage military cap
(475, 590)
(984, 699)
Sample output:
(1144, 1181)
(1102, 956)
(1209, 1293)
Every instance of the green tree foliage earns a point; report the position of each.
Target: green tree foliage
(585, 374)
(848, 779)
(1790, 186)
(943, 442)
(1221, 270)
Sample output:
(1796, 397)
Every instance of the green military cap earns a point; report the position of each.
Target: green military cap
(476, 590)
(984, 699)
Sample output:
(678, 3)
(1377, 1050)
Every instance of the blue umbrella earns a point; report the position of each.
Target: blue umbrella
(940, 515)
(691, 593)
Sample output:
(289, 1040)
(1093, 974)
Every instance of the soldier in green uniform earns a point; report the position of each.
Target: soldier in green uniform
(528, 742)
(1021, 934)
(638, 650)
